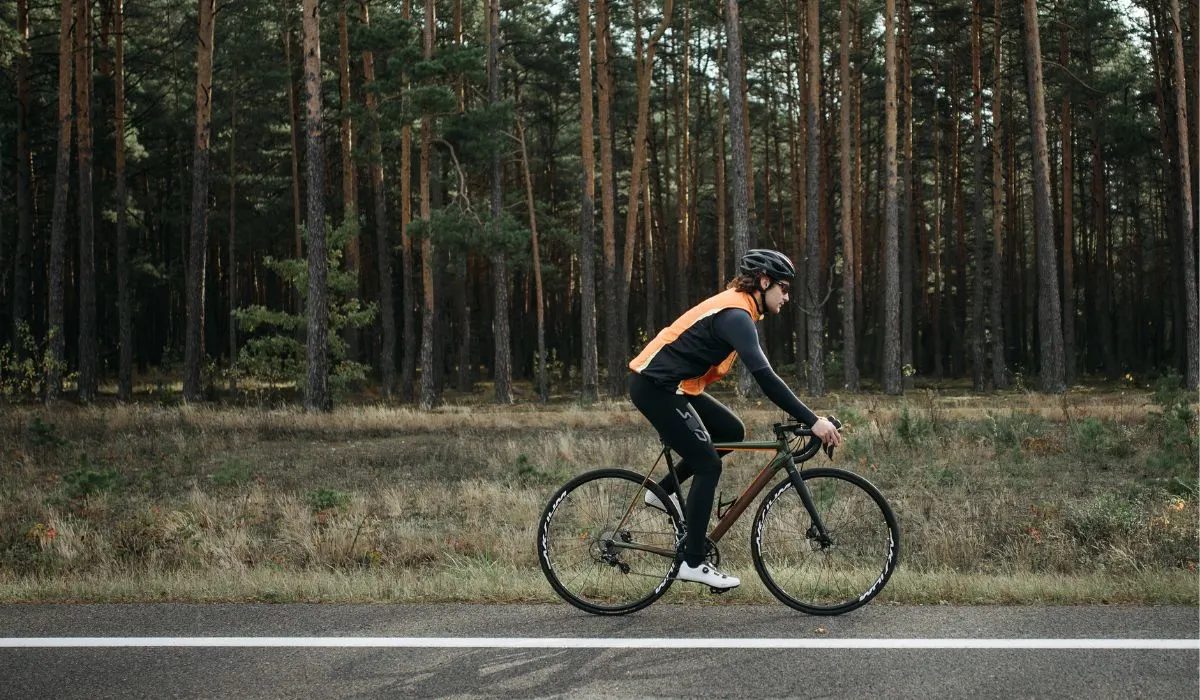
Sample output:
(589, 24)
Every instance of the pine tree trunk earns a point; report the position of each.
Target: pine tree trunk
(349, 184)
(1068, 202)
(198, 238)
(316, 387)
(996, 312)
(979, 229)
(613, 352)
(892, 383)
(589, 373)
(349, 177)
(644, 73)
(383, 244)
(87, 227)
(21, 257)
(849, 327)
(232, 252)
(1187, 222)
(813, 232)
(800, 148)
(907, 204)
(543, 383)
(124, 301)
(294, 124)
(738, 146)
(408, 362)
(720, 184)
(501, 327)
(684, 220)
(428, 396)
(1049, 310)
(58, 235)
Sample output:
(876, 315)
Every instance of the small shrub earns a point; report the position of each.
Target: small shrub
(1103, 520)
(324, 499)
(1009, 432)
(1093, 438)
(1175, 455)
(912, 429)
(43, 433)
(87, 481)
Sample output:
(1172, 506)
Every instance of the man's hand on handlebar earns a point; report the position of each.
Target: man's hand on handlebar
(827, 432)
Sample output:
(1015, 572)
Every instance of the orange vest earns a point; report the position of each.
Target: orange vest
(728, 299)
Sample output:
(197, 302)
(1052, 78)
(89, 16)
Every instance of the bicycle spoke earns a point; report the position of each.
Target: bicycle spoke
(819, 575)
(593, 539)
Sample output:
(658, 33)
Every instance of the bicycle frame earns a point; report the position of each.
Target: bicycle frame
(784, 460)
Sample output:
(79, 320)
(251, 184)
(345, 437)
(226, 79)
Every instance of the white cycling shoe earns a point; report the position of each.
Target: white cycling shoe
(706, 574)
(654, 502)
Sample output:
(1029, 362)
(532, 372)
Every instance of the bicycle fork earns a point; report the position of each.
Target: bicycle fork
(817, 531)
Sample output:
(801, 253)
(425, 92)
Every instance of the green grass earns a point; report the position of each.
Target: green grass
(1087, 498)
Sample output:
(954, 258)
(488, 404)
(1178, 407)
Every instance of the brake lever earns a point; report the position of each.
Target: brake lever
(828, 451)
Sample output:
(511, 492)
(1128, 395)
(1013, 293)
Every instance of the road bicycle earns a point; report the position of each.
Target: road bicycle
(824, 540)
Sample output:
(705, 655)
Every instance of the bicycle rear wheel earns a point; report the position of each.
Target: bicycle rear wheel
(602, 548)
(833, 575)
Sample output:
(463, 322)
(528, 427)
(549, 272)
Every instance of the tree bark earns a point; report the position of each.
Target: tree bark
(979, 231)
(589, 373)
(58, 236)
(21, 256)
(124, 300)
(87, 228)
(316, 388)
(907, 205)
(232, 252)
(408, 363)
(849, 327)
(1049, 310)
(349, 175)
(613, 351)
(198, 238)
(892, 382)
(383, 244)
(738, 147)
(644, 73)
(501, 328)
(1068, 202)
(813, 299)
(542, 382)
(428, 397)
(996, 313)
(294, 122)
(1187, 221)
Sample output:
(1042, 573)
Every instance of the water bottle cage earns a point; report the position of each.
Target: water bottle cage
(723, 506)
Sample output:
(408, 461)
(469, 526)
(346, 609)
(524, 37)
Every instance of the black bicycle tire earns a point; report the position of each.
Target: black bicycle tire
(891, 559)
(545, 557)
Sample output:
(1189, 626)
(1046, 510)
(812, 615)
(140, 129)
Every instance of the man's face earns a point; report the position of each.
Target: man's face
(774, 295)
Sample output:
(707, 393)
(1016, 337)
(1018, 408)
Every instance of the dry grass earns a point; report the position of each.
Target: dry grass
(1018, 498)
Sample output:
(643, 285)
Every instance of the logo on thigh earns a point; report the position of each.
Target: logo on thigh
(693, 423)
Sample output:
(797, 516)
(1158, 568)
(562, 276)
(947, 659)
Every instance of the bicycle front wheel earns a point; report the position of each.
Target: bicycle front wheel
(602, 548)
(835, 573)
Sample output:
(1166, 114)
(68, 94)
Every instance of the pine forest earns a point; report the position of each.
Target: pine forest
(508, 198)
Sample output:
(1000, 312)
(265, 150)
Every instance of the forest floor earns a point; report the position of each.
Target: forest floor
(1014, 497)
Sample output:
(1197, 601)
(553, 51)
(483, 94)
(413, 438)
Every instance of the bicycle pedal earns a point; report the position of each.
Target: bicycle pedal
(718, 591)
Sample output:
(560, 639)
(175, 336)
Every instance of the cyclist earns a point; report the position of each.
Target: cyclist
(669, 377)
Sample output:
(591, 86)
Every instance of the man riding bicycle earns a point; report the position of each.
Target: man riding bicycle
(672, 371)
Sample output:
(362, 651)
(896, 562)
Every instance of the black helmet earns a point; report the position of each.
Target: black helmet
(772, 263)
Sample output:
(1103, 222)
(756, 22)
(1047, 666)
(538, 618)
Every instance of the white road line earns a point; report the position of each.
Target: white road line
(593, 643)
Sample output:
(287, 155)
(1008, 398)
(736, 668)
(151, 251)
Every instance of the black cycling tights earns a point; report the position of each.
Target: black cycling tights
(689, 425)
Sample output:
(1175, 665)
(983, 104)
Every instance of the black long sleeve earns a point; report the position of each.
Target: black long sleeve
(737, 328)
(782, 396)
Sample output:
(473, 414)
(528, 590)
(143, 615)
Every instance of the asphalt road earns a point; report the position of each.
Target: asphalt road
(395, 665)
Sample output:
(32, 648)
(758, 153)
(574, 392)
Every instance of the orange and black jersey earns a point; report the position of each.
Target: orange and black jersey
(701, 346)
